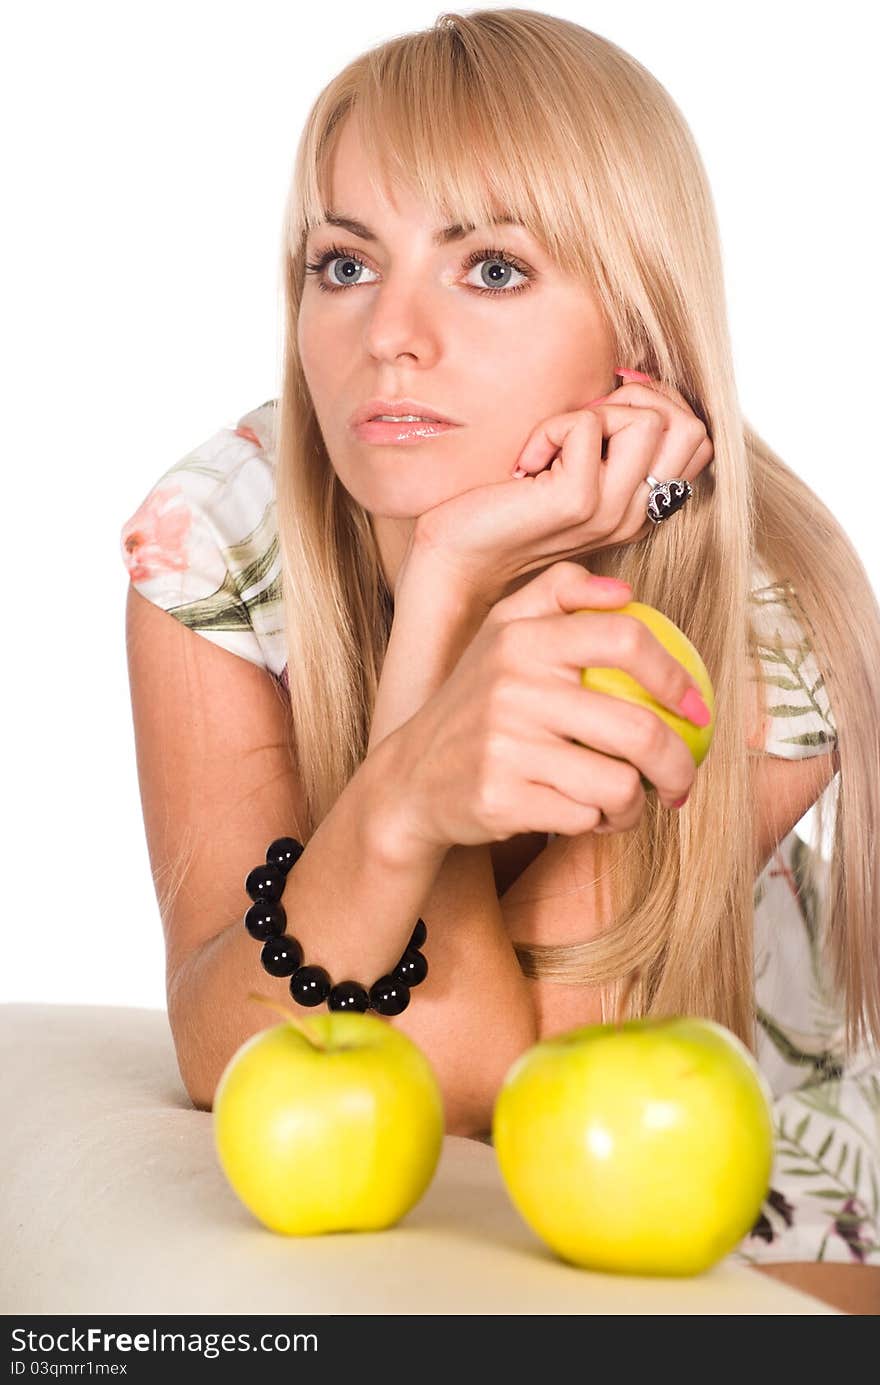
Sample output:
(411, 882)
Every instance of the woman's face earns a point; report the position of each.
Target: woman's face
(413, 323)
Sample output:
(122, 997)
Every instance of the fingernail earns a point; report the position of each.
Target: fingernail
(694, 708)
(681, 802)
(612, 584)
(632, 374)
(518, 471)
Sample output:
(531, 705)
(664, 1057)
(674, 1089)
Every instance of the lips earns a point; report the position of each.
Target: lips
(382, 431)
(404, 418)
(373, 408)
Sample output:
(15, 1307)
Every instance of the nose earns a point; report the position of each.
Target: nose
(401, 322)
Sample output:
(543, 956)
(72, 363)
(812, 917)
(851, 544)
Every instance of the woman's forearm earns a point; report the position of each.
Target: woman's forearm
(563, 896)
(352, 901)
(494, 1018)
(353, 898)
(434, 623)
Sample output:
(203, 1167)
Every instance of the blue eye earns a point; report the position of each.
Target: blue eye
(333, 253)
(495, 257)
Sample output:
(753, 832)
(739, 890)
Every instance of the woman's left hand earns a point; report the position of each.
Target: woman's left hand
(571, 501)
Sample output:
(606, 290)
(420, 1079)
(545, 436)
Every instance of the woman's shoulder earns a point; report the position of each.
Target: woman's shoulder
(203, 543)
(798, 721)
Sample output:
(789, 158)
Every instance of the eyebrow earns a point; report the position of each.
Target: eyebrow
(444, 236)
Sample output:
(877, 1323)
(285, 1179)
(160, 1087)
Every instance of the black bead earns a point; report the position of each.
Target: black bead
(412, 968)
(388, 996)
(265, 920)
(281, 956)
(310, 985)
(265, 882)
(284, 853)
(348, 995)
(419, 934)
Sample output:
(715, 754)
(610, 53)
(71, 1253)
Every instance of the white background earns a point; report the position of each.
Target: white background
(147, 153)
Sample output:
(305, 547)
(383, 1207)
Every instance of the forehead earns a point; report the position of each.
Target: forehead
(356, 199)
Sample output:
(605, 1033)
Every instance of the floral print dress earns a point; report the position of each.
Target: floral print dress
(203, 545)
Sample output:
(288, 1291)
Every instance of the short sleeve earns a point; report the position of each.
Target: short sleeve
(203, 543)
(798, 721)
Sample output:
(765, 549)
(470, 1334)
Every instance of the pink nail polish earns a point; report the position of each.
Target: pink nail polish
(612, 584)
(633, 374)
(694, 708)
(682, 801)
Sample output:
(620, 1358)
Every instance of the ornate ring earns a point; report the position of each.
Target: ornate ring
(666, 497)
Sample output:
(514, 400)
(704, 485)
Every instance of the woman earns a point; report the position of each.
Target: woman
(425, 723)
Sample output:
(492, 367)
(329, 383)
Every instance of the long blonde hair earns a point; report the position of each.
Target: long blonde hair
(519, 110)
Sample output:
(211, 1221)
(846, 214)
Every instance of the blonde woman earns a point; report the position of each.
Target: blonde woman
(503, 222)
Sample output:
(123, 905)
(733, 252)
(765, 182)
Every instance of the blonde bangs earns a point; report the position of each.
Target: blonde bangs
(515, 153)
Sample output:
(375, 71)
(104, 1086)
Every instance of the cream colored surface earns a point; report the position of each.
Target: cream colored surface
(113, 1201)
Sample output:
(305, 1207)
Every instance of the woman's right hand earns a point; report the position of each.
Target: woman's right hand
(569, 504)
(492, 753)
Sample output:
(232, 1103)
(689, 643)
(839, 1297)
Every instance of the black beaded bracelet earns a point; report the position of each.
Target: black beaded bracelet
(282, 955)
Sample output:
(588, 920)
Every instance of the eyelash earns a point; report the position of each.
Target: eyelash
(335, 252)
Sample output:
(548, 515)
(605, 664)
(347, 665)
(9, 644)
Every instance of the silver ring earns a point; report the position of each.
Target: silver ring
(666, 497)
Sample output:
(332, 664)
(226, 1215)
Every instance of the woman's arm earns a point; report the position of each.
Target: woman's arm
(434, 622)
(561, 897)
(469, 951)
(214, 768)
(851, 1288)
(352, 900)
(783, 791)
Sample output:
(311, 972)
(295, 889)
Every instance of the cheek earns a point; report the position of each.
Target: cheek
(313, 342)
(542, 370)
(304, 344)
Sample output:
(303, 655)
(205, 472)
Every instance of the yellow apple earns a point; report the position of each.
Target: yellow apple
(330, 1123)
(616, 683)
(644, 1148)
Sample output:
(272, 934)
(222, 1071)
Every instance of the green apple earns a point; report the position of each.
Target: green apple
(331, 1123)
(643, 1148)
(616, 683)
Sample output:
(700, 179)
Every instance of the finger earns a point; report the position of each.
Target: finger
(587, 778)
(551, 434)
(634, 519)
(635, 447)
(545, 810)
(684, 428)
(578, 437)
(643, 394)
(704, 454)
(632, 457)
(633, 735)
(625, 516)
(600, 493)
(652, 386)
(681, 432)
(564, 586)
(567, 643)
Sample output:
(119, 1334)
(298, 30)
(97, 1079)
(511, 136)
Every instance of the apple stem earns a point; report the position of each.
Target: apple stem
(625, 997)
(286, 1015)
